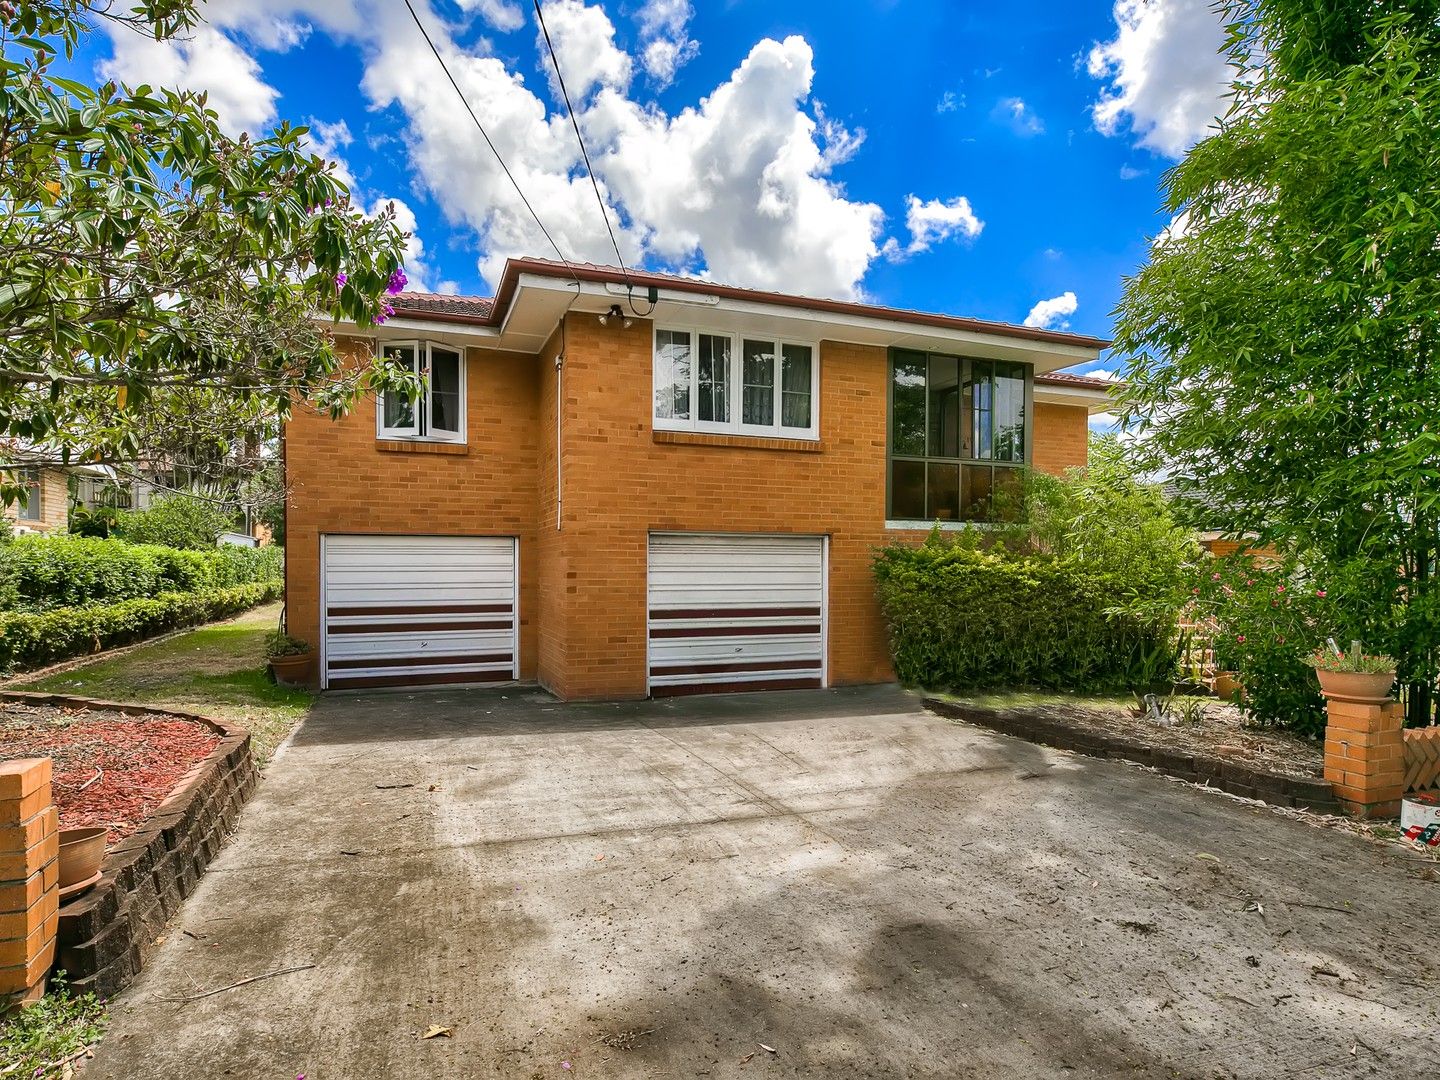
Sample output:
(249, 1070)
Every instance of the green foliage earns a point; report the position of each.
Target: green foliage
(29, 640)
(99, 522)
(144, 249)
(1282, 339)
(177, 521)
(33, 1040)
(40, 573)
(279, 643)
(1081, 597)
(1353, 660)
(1269, 619)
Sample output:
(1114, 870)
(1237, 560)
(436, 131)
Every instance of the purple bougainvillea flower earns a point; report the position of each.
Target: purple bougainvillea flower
(397, 284)
(340, 280)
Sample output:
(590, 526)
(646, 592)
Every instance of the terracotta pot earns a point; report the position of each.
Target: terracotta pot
(81, 852)
(1226, 685)
(1356, 685)
(291, 670)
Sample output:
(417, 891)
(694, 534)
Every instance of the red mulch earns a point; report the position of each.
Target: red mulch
(110, 769)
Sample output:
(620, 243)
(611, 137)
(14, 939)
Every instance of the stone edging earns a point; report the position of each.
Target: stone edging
(106, 934)
(1230, 776)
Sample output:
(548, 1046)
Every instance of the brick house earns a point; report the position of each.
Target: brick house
(652, 486)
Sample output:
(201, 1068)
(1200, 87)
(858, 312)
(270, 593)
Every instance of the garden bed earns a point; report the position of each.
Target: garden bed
(110, 769)
(1219, 750)
(171, 823)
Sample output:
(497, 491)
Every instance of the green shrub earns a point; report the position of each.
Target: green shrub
(177, 521)
(38, 573)
(962, 616)
(1083, 592)
(1269, 619)
(32, 639)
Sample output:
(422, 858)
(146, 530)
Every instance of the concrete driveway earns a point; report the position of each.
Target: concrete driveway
(806, 884)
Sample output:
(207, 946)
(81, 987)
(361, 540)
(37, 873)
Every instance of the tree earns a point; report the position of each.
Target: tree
(146, 253)
(1282, 338)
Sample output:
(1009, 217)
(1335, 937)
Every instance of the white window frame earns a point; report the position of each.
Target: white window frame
(423, 406)
(735, 387)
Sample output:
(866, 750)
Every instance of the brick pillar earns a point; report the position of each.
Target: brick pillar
(29, 879)
(1365, 755)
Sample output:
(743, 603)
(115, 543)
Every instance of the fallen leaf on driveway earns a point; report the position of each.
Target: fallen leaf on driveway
(436, 1031)
(768, 1049)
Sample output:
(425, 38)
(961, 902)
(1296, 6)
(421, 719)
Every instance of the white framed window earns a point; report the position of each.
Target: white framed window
(739, 384)
(438, 414)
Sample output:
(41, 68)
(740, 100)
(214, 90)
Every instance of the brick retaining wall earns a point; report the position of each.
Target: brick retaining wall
(106, 935)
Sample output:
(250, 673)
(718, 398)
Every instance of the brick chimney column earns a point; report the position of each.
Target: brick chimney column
(1365, 755)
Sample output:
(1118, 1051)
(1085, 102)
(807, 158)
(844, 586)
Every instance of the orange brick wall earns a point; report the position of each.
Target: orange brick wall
(29, 879)
(1062, 437)
(583, 584)
(339, 480)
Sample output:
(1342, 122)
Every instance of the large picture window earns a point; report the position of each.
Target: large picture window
(958, 436)
(741, 384)
(438, 414)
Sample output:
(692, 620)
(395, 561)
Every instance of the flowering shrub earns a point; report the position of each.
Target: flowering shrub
(1354, 660)
(1269, 619)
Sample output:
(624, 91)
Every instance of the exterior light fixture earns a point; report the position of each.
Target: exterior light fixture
(618, 315)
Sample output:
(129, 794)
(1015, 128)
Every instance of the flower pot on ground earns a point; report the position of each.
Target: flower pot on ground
(1226, 685)
(289, 659)
(81, 852)
(1353, 675)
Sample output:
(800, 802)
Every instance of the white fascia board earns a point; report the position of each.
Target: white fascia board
(1094, 400)
(730, 313)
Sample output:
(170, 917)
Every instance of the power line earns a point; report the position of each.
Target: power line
(589, 169)
(481, 127)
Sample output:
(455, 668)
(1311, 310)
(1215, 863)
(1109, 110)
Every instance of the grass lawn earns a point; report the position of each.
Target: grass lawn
(1024, 699)
(217, 670)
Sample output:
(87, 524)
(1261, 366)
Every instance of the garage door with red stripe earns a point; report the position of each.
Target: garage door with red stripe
(734, 612)
(419, 610)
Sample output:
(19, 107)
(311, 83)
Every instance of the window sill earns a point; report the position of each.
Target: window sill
(945, 526)
(751, 442)
(420, 446)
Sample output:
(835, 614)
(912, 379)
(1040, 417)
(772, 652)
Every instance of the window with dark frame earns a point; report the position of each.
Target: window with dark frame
(957, 436)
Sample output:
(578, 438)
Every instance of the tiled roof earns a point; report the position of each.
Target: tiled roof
(645, 278)
(1086, 382)
(486, 311)
(477, 307)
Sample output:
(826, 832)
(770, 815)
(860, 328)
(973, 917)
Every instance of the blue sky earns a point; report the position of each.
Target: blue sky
(993, 160)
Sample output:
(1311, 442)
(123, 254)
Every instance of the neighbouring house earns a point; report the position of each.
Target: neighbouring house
(620, 484)
(50, 491)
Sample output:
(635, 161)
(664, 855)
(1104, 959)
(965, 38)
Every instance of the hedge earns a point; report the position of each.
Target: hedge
(40, 573)
(31, 639)
(969, 618)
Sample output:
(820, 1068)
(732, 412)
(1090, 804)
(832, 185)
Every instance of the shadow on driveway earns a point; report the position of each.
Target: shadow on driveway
(666, 889)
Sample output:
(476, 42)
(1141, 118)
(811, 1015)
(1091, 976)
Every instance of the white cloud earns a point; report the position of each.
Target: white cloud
(584, 41)
(1101, 373)
(1020, 118)
(664, 34)
(935, 221)
(501, 14)
(205, 60)
(1165, 76)
(1129, 172)
(1051, 314)
(950, 101)
(738, 187)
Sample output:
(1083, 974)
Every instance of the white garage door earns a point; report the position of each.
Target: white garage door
(418, 610)
(736, 613)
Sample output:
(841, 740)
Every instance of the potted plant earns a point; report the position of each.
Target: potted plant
(289, 658)
(1353, 675)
